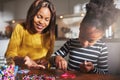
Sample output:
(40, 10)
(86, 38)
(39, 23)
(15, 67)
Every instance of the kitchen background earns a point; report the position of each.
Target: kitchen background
(69, 16)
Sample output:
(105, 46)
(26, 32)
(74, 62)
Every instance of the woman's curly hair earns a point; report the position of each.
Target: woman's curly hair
(100, 13)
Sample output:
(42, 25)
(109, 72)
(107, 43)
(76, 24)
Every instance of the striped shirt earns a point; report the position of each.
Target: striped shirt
(97, 54)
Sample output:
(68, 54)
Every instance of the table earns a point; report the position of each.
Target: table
(79, 76)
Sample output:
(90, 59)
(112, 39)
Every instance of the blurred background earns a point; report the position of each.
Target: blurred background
(69, 15)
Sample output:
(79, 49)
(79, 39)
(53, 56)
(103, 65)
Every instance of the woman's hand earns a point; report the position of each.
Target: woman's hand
(86, 66)
(18, 61)
(42, 61)
(32, 64)
(61, 63)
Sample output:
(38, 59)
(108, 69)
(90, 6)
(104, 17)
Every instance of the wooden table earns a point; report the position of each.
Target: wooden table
(79, 76)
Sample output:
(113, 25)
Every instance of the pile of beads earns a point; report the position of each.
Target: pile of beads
(38, 77)
(7, 72)
(68, 75)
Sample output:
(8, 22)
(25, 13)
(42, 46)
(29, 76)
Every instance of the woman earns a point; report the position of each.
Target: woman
(88, 53)
(32, 42)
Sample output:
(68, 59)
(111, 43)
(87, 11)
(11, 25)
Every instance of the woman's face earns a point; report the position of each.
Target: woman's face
(42, 19)
(89, 35)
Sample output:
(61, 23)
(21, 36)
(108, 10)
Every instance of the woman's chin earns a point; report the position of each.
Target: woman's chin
(39, 30)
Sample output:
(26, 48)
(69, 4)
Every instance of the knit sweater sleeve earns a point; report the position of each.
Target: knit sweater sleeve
(15, 41)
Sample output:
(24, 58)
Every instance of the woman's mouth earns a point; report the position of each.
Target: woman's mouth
(39, 28)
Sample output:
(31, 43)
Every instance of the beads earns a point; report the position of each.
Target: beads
(7, 72)
(38, 77)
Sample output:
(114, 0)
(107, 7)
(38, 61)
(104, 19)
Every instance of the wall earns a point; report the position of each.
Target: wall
(114, 57)
(22, 8)
(6, 14)
(67, 6)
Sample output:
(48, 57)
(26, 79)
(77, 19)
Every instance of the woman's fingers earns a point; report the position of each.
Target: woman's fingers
(41, 66)
(36, 66)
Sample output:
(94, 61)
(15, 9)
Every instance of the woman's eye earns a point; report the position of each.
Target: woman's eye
(38, 16)
(47, 19)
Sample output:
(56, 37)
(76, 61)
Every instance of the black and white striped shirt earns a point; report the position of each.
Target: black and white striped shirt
(97, 54)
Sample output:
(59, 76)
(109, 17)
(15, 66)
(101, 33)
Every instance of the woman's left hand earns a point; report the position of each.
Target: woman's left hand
(42, 61)
(86, 66)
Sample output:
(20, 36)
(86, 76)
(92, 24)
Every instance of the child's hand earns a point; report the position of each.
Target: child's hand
(61, 62)
(86, 66)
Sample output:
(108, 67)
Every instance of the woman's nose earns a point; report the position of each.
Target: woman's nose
(41, 21)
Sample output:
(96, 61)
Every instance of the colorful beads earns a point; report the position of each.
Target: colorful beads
(38, 77)
(7, 72)
(68, 75)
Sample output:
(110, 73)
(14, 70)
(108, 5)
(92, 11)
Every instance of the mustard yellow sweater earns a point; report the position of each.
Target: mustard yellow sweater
(22, 44)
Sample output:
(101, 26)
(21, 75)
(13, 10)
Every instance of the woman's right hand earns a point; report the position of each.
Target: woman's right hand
(61, 63)
(32, 64)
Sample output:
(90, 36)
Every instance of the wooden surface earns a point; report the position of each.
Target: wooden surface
(79, 76)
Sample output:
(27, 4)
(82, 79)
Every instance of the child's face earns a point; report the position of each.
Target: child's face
(89, 35)
(42, 19)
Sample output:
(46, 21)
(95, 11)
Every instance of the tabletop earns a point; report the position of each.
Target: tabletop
(78, 76)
